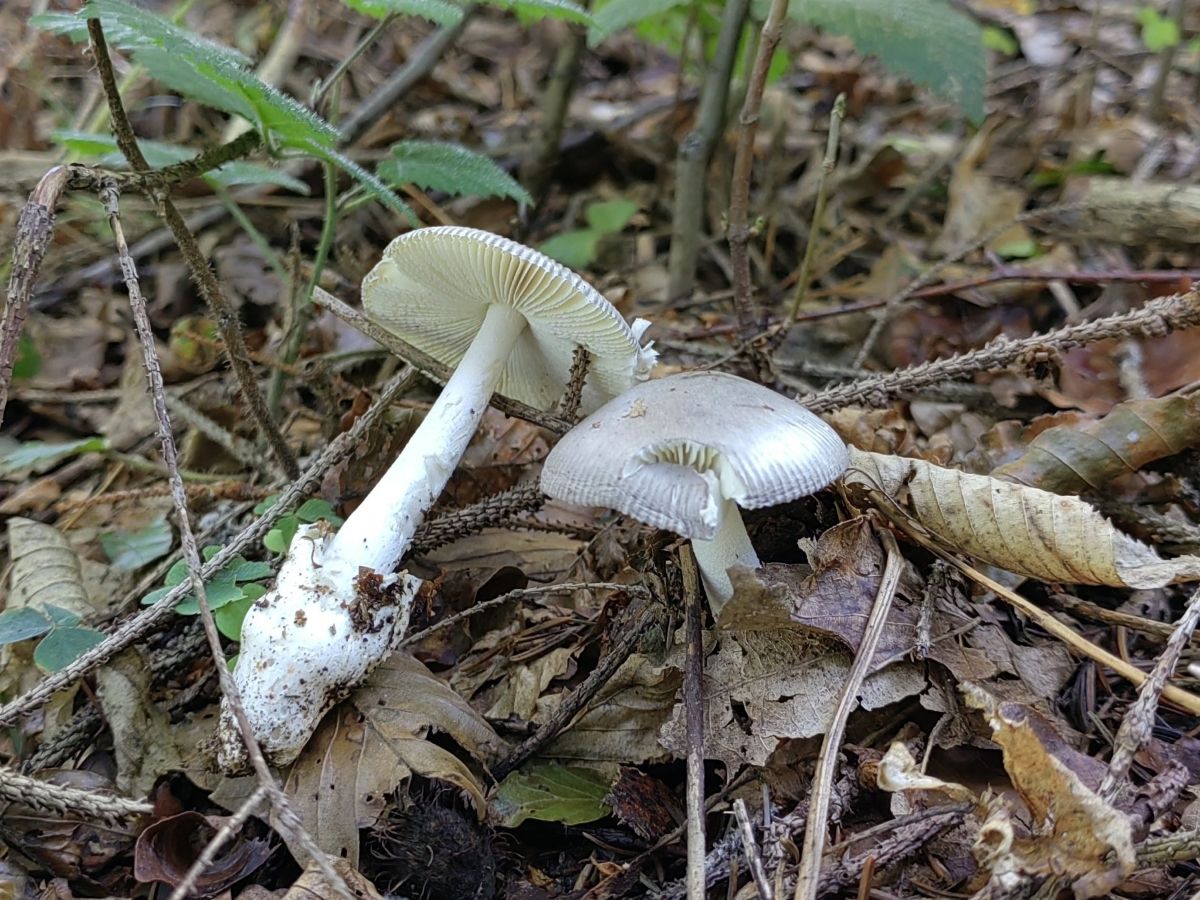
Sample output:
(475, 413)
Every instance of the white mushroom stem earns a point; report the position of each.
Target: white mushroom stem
(730, 546)
(380, 529)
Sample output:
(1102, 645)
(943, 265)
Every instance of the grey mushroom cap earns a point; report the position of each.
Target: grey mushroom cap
(670, 451)
(433, 287)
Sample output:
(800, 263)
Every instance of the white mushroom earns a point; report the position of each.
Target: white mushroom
(685, 451)
(509, 319)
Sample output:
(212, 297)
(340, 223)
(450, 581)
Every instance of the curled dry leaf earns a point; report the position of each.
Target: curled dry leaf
(168, 848)
(1069, 459)
(1025, 530)
(1075, 834)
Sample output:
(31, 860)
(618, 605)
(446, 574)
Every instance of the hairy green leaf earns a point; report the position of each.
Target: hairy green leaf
(618, 14)
(130, 550)
(926, 40)
(433, 165)
(437, 11)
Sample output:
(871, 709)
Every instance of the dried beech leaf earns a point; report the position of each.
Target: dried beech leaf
(44, 569)
(1025, 530)
(1069, 459)
(1076, 834)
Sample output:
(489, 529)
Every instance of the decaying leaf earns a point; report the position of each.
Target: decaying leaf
(1075, 834)
(167, 849)
(313, 885)
(1068, 459)
(898, 771)
(644, 804)
(45, 569)
(551, 792)
(1025, 530)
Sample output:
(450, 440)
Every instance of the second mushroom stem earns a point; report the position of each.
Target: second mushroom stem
(380, 529)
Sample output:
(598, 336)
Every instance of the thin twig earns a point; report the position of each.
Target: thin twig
(326, 84)
(148, 619)
(1138, 723)
(750, 848)
(695, 151)
(422, 361)
(693, 704)
(637, 618)
(814, 232)
(210, 288)
(228, 829)
(1158, 317)
(35, 227)
(808, 876)
(67, 801)
(743, 166)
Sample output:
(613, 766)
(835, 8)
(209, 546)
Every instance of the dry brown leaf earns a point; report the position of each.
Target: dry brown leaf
(1069, 459)
(145, 741)
(979, 203)
(1025, 530)
(313, 885)
(1076, 834)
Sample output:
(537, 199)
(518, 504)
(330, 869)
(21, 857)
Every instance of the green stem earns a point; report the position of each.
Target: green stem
(814, 231)
(256, 237)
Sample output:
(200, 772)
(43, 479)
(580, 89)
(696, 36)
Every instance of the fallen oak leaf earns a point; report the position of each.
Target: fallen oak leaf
(1024, 530)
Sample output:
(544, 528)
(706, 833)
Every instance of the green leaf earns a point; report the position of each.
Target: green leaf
(574, 249)
(1158, 32)
(437, 11)
(618, 14)
(240, 570)
(38, 456)
(218, 593)
(532, 10)
(279, 538)
(130, 550)
(432, 165)
(928, 41)
(551, 792)
(316, 509)
(28, 362)
(370, 183)
(610, 216)
(1000, 40)
(63, 646)
(59, 615)
(22, 623)
(266, 503)
(229, 618)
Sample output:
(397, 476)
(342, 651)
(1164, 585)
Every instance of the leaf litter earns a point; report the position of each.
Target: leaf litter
(981, 735)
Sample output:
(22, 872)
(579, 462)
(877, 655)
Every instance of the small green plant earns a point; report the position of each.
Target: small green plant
(63, 639)
(279, 538)
(229, 592)
(578, 248)
(1158, 32)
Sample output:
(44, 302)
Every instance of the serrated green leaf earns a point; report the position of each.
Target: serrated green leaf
(610, 216)
(369, 182)
(550, 792)
(63, 646)
(437, 11)
(928, 41)
(131, 26)
(618, 14)
(38, 456)
(22, 623)
(130, 550)
(532, 10)
(433, 165)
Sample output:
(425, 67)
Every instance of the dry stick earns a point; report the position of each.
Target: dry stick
(637, 618)
(422, 361)
(882, 317)
(814, 232)
(210, 288)
(1166, 61)
(693, 704)
(148, 619)
(219, 840)
(695, 151)
(743, 165)
(1083, 609)
(422, 60)
(487, 513)
(1158, 317)
(808, 876)
(519, 594)
(289, 824)
(568, 406)
(67, 741)
(65, 801)
(750, 848)
(895, 514)
(1138, 723)
(35, 227)
(555, 99)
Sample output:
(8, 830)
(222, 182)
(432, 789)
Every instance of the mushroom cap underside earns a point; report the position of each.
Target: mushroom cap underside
(433, 286)
(670, 451)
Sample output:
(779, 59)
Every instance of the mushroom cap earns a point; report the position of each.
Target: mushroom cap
(434, 285)
(670, 451)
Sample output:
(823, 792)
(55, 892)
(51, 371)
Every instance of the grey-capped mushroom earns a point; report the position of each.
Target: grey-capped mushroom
(685, 451)
(508, 319)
